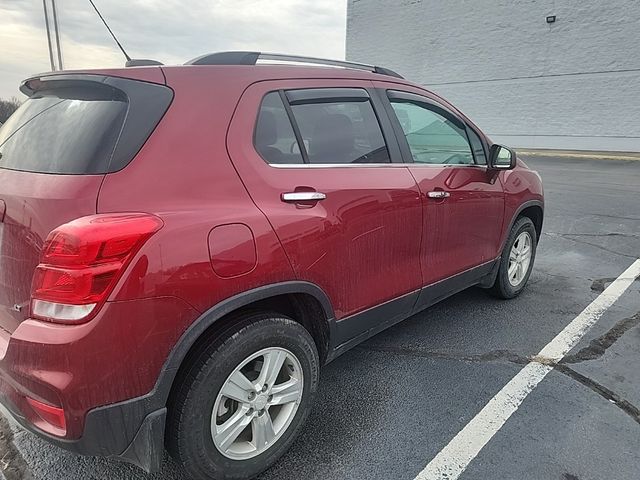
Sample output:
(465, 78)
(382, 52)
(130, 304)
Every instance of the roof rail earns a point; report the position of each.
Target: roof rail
(251, 58)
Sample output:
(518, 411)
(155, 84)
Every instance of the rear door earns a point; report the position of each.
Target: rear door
(54, 152)
(347, 211)
(463, 201)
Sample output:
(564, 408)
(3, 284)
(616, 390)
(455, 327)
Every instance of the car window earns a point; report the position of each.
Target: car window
(341, 132)
(64, 131)
(478, 149)
(82, 126)
(275, 140)
(432, 138)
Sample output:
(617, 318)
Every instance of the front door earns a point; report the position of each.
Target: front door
(463, 201)
(346, 209)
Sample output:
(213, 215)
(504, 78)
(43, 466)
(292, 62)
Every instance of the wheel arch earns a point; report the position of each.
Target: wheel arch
(302, 301)
(535, 213)
(534, 210)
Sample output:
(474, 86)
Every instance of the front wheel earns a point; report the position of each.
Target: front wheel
(517, 259)
(244, 399)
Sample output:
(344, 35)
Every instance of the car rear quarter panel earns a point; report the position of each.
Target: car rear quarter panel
(183, 174)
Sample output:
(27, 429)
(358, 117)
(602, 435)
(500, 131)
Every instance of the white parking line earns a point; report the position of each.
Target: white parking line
(453, 459)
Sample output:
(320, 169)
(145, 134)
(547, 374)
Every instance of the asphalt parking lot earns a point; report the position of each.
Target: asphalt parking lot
(388, 407)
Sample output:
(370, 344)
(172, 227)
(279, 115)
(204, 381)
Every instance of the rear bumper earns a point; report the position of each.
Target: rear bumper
(132, 430)
(103, 375)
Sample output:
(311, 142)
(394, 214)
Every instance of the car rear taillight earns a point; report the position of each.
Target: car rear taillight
(81, 262)
(53, 416)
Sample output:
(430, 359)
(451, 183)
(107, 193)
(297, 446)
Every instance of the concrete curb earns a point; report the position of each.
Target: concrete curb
(586, 154)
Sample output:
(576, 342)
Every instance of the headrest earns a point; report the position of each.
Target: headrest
(333, 139)
(266, 130)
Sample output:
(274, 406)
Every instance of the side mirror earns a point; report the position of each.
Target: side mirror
(501, 158)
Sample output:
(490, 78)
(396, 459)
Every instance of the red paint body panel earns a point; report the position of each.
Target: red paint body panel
(226, 231)
(35, 204)
(521, 185)
(118, 355)
(470, 227)
(183, 174)
(364, 233)
(463, 230)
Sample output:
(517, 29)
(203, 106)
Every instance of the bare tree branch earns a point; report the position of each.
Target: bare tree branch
(7, 107)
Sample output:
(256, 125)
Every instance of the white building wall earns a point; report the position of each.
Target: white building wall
(571, 84)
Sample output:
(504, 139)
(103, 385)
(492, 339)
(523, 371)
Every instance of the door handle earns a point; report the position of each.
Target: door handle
(294, 197)
(438, 194)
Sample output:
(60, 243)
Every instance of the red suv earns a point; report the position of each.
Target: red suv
(182, 248)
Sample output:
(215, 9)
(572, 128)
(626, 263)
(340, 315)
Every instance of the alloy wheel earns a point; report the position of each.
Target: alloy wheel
(257, 403)
(519, 259)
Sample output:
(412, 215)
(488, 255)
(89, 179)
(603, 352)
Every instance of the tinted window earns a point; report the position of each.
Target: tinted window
(478, 149)
(69, 131)
(341, 132)
(432, 137)
(274, 137)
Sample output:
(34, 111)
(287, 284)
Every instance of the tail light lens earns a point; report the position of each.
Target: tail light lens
(81, 262)
(53, 416)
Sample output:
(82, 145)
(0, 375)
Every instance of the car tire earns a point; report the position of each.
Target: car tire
(510, 284)
(197, 433)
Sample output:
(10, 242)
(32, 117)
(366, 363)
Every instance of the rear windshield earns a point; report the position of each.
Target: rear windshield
(64, 131)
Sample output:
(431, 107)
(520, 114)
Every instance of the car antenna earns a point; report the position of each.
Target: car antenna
(130, 62)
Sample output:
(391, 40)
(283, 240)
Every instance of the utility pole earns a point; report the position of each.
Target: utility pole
(53, 37)
(57, 30)
(46, 23)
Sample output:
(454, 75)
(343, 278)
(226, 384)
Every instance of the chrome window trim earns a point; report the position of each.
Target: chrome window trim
(366, 165)
(447, 165)
(335, 165)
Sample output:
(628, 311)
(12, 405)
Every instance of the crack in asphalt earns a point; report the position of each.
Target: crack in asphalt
(555, 275)
(595, 245)
(624, 405)
(627, 407)
(491, 356)
(610, 234)
(596, 349)
(569, 476)
(591, 214)
(599, 284)
(618, 217)
(564, 277)
(598, 346)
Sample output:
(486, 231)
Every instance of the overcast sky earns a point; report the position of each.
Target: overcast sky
(172, 31)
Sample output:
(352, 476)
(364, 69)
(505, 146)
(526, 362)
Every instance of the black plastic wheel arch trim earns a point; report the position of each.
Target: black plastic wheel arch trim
(521, 208)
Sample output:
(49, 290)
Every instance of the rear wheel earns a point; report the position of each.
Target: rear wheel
(244, 399)
(517, 259)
